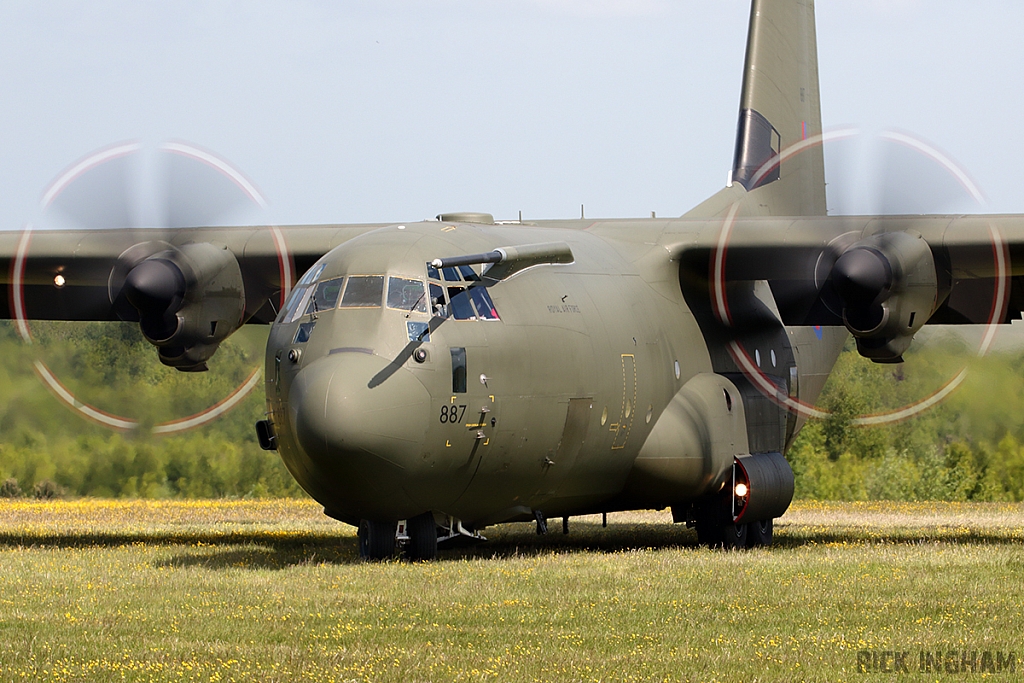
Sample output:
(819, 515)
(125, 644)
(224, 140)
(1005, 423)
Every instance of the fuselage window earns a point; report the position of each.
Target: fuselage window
(418, 332)
(451, 274)
(326, 296)
(363, 291)
(304, 331)
(406, 295)
(458, 370)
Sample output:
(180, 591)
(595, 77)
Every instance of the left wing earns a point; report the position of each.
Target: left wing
(883, 277)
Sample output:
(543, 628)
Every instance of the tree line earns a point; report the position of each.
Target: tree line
(110, 367)
(968, 447)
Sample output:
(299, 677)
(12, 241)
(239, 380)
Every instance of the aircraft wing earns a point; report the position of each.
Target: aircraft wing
(72, 274)
(830, 270)
(188, 288)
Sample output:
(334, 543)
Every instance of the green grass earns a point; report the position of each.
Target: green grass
(273, 591)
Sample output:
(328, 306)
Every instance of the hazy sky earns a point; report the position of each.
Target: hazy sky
(366, 111)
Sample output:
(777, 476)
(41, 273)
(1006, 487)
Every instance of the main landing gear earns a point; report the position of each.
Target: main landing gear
(721, 534)
(761, 488)
(380, 540)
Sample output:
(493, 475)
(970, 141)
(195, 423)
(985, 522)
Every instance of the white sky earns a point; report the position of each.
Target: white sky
(398, 110)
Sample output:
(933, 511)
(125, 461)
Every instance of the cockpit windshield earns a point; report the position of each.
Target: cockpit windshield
(325, 296)
(406, 295)
(363, 291)
(354, 291)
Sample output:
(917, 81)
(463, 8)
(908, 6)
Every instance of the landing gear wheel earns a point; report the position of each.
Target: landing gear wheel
(759, 533)
(376, 540)
(422, 532)
(715, 533)
(709, 532)
(734, 536)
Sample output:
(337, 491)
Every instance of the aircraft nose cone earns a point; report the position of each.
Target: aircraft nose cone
(363, 424)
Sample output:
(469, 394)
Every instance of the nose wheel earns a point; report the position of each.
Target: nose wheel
(376, 540)
(422, 543)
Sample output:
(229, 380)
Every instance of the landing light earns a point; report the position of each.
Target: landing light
(741, 490)
(58, 281)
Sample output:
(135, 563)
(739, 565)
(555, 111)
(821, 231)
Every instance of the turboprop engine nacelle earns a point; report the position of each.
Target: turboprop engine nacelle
(889, 289)
(189, 299)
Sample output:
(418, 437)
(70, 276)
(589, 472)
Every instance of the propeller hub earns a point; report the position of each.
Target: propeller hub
(155, 286)
(862, 276)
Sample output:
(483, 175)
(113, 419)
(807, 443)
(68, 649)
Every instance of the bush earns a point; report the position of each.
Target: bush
(10, 488)
(47, 489)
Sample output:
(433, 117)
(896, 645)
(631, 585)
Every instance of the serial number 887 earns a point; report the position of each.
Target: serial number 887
(452, 414)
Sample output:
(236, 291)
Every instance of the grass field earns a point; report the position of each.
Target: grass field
(273, 591)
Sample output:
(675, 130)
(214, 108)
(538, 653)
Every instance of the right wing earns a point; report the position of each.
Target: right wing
(270, 259)
(188, 288)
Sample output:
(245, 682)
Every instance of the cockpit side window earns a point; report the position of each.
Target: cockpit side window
(289, 306)
(303, 295)
(298, 300)
(363, 291)
(462, 309)
(438, 304)
(471, 302)
(406, 295)
(482, 301)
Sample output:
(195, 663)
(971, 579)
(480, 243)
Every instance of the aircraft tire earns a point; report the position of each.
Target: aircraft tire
(709, 533)
(734, 536)
(422, 544)
(714, 534)
(759, 534)
(376, 540)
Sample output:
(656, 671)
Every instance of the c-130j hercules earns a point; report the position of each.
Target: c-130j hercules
(427, 380)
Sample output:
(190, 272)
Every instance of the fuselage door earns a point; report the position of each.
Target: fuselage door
(622, 427)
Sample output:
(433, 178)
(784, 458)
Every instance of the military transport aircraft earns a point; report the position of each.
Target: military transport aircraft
(426, 380)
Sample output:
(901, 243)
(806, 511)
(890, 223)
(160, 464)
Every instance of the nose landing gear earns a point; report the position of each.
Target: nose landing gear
(422, 544)
(376, 540)
(418, 536)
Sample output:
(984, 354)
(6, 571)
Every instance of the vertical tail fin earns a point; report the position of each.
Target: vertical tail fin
(779, 108)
